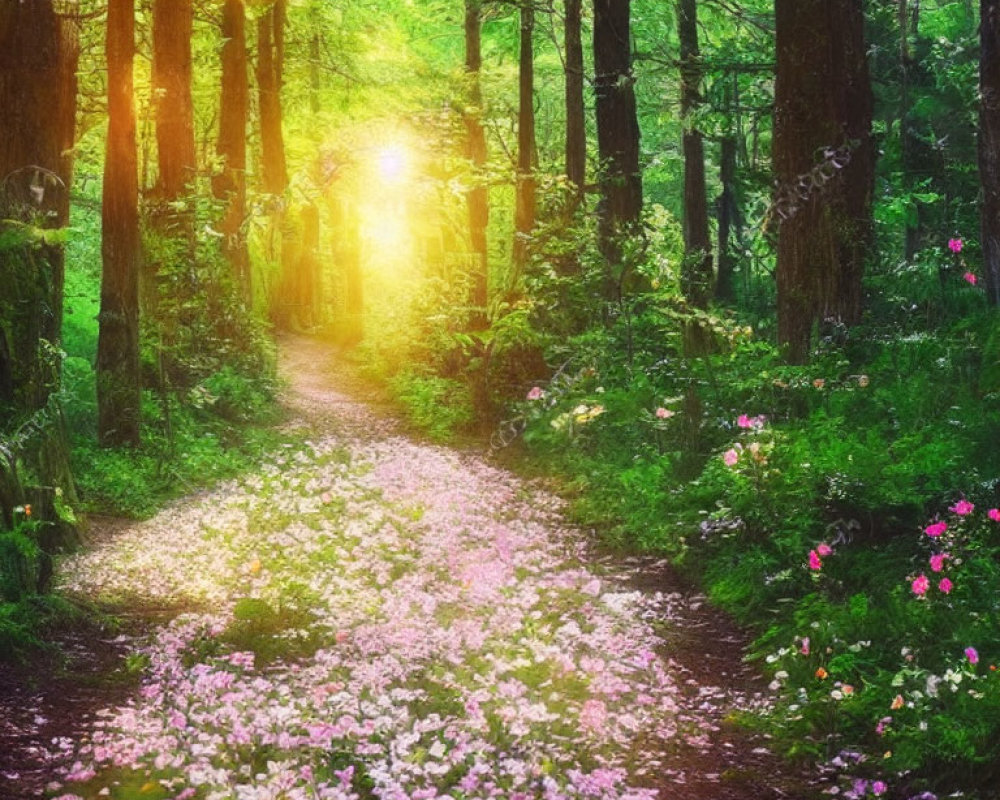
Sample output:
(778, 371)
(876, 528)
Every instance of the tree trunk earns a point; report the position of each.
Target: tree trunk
(172, 25)
(270, 65)
(912, 231)
(725, 288)
(118, 340)
(696, 271)
(823, 103)
(989, 144)
(524, 210)
(617, 136)
(230, 184)
(477, 197)
(38, 60)
(576, 128)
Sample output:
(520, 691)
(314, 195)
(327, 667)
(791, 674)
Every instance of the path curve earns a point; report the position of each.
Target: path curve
(380, 617)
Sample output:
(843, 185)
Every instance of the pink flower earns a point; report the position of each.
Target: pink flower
(962, 507)
(937, 561)
(824, 549)
(804, 649)
(972, 655)
(814, 562)
(936, 529)
(664, 413)
(755, 423)
(994, 514)
(920, 585)
(879, 787)
(955, 245)
(945, 586)
(730, 457)
(536, 393)
(970, 278)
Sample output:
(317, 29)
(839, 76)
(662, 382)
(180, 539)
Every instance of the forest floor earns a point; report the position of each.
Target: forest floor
(374, 616)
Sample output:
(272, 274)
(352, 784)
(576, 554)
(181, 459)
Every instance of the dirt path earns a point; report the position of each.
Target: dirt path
(385, 618)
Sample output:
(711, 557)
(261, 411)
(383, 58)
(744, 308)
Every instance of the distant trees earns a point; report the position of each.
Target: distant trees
(118, 343)
(824, 160)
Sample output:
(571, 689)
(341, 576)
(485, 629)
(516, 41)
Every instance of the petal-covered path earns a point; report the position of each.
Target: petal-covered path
(373, 617)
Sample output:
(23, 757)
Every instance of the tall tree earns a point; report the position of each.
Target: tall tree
(118, 340)
(617, 133)
(696, 273)
(989, 144)
(525, 203)
(822, 142)
(576, 128)
(172, 26)
(270, 69)
(725, 289)
(477, 197)
(230, 184)
(38, 61)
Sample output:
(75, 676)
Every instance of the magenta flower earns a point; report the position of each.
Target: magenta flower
(972, 655)
(955, 245)
(937, 561)
(963, 507)
(824, 549)
(814, 562)
(970, 278)
(994, 514)
(945, 586)
(804, 649)
(730, 457)
(920, 585)
(936, 529)
(879, 787)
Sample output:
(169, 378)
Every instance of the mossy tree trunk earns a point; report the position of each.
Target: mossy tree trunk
(38, 58)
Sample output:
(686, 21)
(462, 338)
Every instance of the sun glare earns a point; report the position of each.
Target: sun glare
(392, 163)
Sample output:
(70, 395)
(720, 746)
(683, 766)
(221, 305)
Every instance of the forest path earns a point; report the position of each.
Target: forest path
(371, 616)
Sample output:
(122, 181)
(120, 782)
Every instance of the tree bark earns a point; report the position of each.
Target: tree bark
(118, 395)
(696, 271)
(172, 26)
(576, 129)
(823, 101)
(620, 178)
(270, 66)
(38, 89)
(230, 184)
(725, 288)
(989, 145)
(525, 204)
(477, 197)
